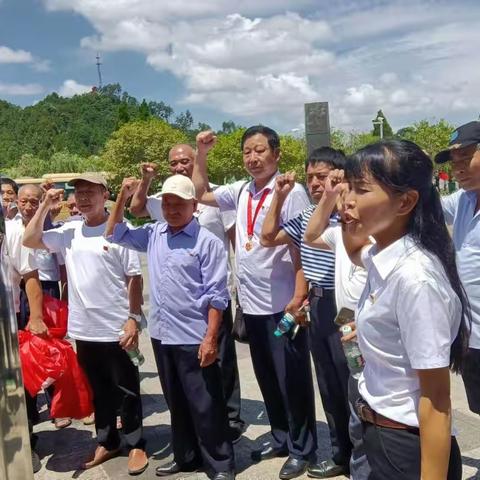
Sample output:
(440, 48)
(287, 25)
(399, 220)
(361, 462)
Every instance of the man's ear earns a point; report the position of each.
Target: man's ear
(408, 201)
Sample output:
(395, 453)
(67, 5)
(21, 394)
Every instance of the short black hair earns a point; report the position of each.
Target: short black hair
(335, 158)
(9, 181)
(272, 136)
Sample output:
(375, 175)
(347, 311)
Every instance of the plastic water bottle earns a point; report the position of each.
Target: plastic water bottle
(284, 325)
(353, 354)
(136, 356)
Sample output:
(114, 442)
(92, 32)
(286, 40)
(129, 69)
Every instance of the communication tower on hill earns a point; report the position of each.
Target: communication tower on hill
(99, 71)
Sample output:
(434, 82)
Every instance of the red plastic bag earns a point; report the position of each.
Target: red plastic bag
(42, 361)
(72, 395)
(55, 316)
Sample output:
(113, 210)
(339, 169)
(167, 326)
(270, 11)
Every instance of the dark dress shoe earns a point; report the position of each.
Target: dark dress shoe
(293, 468)
(327, 469)
(173, 467)
(224, 476)
(267, 453)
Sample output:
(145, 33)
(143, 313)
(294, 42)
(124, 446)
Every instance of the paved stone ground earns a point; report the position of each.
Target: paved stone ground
(63, 451)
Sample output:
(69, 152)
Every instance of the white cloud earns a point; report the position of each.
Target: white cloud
(8, 55)
(20, 89)
(70, 88)
(411, 58)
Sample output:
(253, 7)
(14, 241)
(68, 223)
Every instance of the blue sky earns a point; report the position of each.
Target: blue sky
(252, 61)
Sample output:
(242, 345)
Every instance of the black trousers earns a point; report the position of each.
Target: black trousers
(116, 385)
(395, 454)
(198, 412)
(283, 372)
(227, 360)
(332, 372)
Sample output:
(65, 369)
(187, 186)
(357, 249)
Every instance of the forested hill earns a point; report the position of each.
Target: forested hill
(79, 125)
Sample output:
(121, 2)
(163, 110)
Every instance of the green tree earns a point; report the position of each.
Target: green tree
(143, 111)
(123, 115)
(432, 137)
(160, 110)
(294, 155)
(228, 127)
(387, 129)
(137, 142)
(184, 121)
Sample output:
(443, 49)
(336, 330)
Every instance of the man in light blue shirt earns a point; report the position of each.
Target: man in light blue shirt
(188, 293)
(462, 210)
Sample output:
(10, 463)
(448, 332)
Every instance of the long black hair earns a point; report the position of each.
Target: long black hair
(400, 165)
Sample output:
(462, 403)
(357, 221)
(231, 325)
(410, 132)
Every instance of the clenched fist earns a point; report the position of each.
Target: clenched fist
(148, 170)
(205, 141)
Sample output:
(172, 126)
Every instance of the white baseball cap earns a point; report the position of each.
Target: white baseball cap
(179, 185)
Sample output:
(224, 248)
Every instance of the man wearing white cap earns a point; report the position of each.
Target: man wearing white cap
(105, 295)
(187, 268)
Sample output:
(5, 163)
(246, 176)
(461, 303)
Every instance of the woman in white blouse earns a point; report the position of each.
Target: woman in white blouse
(413, 317)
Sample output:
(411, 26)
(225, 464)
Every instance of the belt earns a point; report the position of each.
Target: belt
(367, 414)
(320, 292)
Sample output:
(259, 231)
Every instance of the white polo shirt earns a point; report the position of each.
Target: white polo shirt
(459, 211)
(215, 221)
(350, 279)
(98, 304)
(407, 318)
(264, 276)
(19, 260)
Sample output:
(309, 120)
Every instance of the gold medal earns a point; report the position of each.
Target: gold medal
(248, 246)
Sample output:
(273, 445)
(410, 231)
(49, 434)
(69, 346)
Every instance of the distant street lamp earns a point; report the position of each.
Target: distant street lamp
(379, 121)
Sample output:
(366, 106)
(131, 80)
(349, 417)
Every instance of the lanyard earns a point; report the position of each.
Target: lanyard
(250, 221)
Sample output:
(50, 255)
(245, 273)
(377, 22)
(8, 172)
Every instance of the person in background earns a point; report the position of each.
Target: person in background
(413, 317)
(51, 267)
(9, 198)
(222, 225)
(72, 205)
(188, 290)
(319, 270)
(461, 211)
(105, 296)
(18, 264)
(269, 283)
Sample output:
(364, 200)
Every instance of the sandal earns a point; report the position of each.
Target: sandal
(62, 422)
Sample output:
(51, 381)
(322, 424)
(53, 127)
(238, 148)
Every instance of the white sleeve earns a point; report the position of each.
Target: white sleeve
(131, 261)
(54, 239)
(226, 196)
(22, 258)
(450, 205)
(330, 236)
(154, 208)
(297, 201)
(425, 326)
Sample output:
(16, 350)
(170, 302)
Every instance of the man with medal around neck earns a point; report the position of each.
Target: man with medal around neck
(266, 285)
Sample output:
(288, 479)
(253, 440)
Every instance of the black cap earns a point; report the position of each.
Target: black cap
(468, 134)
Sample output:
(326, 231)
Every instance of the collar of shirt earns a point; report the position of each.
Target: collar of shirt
(189, 229)
(270, 185)
(387, 259)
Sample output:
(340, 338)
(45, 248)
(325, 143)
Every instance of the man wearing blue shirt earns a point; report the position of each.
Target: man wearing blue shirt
(462, 211)
(188, 291)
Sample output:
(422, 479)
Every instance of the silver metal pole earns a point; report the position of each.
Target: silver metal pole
(15, 454)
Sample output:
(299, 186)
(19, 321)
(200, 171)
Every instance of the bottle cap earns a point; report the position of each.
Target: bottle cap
(346, 329)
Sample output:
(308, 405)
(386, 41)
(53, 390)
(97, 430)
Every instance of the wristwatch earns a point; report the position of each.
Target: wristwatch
(137, 317)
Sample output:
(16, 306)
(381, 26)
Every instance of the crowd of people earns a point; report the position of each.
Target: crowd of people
(365, 245)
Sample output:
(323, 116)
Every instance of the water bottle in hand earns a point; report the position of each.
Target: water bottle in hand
(353, 354)
(136, 356)
(285, 324)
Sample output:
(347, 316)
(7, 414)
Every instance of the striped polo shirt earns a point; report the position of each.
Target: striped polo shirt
(318, 264)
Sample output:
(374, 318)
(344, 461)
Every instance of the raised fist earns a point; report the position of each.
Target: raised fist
(148, 170)
(205, 141)
(129, 185)
(53, 197)
(284, 183)
(334, 185)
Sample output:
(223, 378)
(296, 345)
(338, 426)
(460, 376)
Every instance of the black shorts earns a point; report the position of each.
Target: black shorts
(471, 379)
